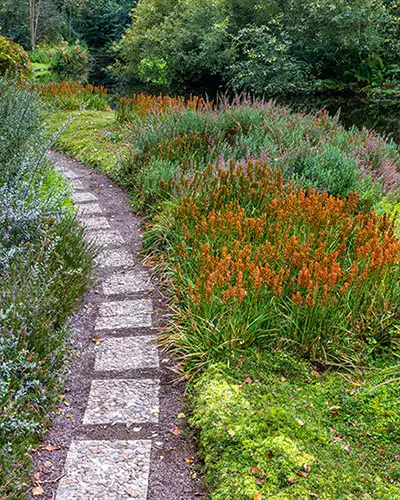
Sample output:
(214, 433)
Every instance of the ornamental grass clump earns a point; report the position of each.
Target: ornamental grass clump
(260, 261)
(70, 96)
(142, 105)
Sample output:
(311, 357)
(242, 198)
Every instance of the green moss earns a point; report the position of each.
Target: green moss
(272, 427)
(93, 137)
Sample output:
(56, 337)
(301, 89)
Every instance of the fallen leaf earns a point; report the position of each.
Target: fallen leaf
(302, 473)
(176, 431)
(189, 460)
(257, 496)
(293, 480)
(239, 363)
(37, 491)
(97, 340)
(283, 379)
(315, 373)
(255, 469)
(300, 422)
(69, 415)
(335, 408)
(259, 481)
(51, 447)
(36, 476)
(249, 380)
(48, 464)
(307, 467)
(181, 415)
(231, 432)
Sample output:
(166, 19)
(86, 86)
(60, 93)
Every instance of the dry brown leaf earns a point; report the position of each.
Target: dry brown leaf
(258, 496)
(52, 447)
(176, 431)
(37, 491)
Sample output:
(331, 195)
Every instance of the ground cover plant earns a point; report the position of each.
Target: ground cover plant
(44, 267)
(276, 231)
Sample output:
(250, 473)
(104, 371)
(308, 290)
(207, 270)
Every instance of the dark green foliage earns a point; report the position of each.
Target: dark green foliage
(264, 47)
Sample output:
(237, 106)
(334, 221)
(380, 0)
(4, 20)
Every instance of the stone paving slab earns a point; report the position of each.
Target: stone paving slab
(83, 197)
(125, 401)
(98, 222)
(105, 238)
(118, 257)
(106, 470)
(128, 353)
(78, 185)
(69, 174)
(124, 314)
(90, 209)
(127, 282)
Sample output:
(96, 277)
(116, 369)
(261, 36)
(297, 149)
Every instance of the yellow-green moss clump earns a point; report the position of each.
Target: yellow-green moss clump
(14, 60)
(276, 428)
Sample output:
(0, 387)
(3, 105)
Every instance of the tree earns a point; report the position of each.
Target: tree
(34, 14)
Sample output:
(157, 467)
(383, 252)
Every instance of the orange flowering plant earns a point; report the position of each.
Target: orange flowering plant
(259, 261)
(142, 105)
(73, 95)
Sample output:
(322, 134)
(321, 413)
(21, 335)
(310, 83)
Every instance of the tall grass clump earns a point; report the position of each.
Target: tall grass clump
(44, 267)
(312, 150)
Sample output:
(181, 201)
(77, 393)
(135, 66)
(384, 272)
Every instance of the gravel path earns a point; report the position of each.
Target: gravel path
(117, 435)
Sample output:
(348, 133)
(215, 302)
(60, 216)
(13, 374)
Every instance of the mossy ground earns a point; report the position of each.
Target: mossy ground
(274, 426)
(93, 137)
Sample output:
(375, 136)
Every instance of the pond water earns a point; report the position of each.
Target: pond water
(380, 115)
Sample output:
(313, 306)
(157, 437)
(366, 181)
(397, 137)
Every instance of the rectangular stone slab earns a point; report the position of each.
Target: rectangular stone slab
(124, 314)
(127, 353)
(118, 257)
(83, 197)
(107, 238)
(125, 401)
(92, 222)
(127, 282)
(109, 470)
(89, 209)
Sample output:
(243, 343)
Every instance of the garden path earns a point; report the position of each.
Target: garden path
(112, 439)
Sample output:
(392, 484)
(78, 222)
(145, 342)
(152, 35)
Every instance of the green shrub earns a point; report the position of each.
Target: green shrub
(14, 60)
(44, 268)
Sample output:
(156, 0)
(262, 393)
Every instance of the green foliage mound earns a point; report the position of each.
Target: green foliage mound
(14, 60)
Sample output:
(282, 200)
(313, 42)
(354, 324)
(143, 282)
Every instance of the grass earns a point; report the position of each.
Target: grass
(94, 137)
(270, 424)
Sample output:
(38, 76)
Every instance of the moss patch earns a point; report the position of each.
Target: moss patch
(274, 426)
(93, 137)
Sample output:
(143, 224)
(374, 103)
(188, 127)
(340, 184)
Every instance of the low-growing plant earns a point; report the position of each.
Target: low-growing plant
(44, 268)
(313, 150)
